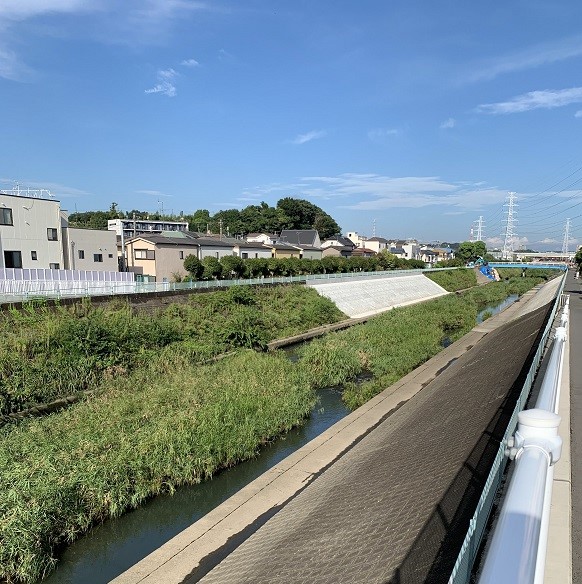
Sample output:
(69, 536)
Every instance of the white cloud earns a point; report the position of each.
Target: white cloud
(547, 99)
(450, 123)
(190, 63)
(11, 68)
(23, 9)
(549, 240)
(57, 190)
(313, 135)
(165, 85)
(153, 193)
(542, 54)
(578, 114)
(365, 192)
(378, 134)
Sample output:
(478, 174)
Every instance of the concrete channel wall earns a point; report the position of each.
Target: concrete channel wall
(365, 297)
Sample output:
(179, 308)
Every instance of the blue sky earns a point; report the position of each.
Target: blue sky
(420, 116)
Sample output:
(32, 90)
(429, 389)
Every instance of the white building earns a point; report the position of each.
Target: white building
(30, 232)
(134, 227)
(90, 249)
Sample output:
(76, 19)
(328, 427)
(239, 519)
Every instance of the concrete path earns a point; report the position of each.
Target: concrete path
(408, 467)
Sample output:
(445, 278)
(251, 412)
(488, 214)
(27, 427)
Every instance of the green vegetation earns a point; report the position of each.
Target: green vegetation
(46, 354)
(164, 419)
(453, 280)
(231, 267)
(169, 424)
(542, 274)
(396, 342)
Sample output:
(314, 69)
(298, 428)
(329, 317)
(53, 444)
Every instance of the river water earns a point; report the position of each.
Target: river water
(111, 548)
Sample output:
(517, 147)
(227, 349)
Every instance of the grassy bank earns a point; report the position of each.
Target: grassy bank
(137, 438)
(46, 354)
(453, 280)
(396, 342)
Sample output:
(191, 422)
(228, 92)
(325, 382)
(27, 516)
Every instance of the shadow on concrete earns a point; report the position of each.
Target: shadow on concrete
(433, 554)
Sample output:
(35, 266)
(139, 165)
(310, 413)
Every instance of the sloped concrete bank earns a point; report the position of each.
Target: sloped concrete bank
(193, 553)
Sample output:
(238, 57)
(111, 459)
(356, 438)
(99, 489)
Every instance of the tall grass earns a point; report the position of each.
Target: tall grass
(141, 436)
(47, 354)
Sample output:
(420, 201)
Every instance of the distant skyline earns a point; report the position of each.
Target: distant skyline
(418, 116)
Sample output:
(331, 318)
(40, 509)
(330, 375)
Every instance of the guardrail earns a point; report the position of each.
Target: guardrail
(25, 290)
(518, 547)
(463, 566)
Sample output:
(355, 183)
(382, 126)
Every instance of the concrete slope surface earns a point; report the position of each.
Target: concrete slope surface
(395, 507)
(365, 297)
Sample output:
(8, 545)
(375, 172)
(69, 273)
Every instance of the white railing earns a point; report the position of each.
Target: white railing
(463, 568)
(23, 290)
(517, 552)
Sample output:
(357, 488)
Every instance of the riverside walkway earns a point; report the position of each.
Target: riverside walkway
(385, 495)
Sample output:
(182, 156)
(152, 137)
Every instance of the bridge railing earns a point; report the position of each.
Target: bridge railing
(464, 565)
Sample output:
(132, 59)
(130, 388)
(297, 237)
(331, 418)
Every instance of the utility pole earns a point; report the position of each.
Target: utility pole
(510, 235)
(374, 228)
(566, 241)
(480, 224)
(220, 225)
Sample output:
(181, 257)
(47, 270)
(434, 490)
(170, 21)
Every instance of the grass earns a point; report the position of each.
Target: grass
(47, 354)
(61, 474)
(396, 342)
(453, 280)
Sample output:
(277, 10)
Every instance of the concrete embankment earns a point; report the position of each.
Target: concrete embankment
(366, 297)
(198, 549)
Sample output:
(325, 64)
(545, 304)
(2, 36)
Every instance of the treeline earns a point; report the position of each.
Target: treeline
(289, 213)
(232, 267)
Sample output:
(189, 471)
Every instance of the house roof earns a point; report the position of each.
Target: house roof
(283, 245)
(397, 250)
(300, 236)
(363, 251)
(378, 239)
(181, 242)
(343, 241)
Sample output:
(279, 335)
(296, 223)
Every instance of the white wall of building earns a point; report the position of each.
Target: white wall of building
(30, 233)
(90, 249)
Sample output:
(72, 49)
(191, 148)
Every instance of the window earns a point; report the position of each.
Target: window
(51, 233)
(110, 255)
(244, 255)
(181, 255)
(97, 257)
(33, 255)
(81, 254)
(6, 216)
(54, 266)
(145, 254)
(216, 254)
(13, 259)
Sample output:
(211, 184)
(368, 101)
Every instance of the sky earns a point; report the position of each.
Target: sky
(401, 119)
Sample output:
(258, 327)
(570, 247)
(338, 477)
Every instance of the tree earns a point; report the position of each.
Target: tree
(232, 266)
(300, 214)
(194, 266)
(212, 268)
(578, 258)
(469, 251)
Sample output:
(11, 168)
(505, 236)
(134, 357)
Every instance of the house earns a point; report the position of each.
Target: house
(411, 248)
(399, 252)
(252, 250)
(282, 250)
(378, 244)
(356, 239)
(89, 249)
(363, 252)
(338, 241)
(428, 255)
(310, 253)
(162, 256)
(265, 238)
(308, 237)
(344, 251)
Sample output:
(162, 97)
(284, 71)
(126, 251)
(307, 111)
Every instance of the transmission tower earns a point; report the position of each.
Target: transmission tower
(566, 237)
(477, 229)
(510, 235)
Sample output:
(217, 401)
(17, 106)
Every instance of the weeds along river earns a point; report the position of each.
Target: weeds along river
(113, 547)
